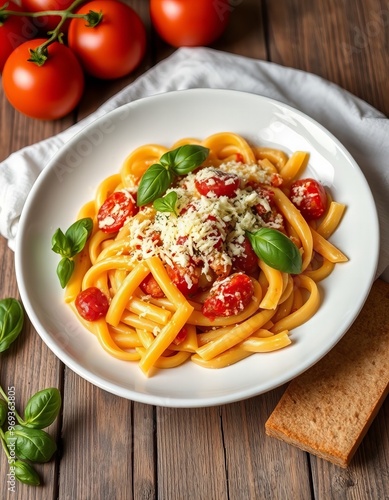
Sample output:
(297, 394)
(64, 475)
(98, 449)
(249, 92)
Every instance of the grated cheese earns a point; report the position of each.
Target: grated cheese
(209, 230)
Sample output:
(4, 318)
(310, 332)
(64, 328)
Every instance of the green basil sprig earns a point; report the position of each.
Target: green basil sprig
(276, 250)
(159, 177)
(68, 244)
(27, 440)
(167, 203)
(11, 321)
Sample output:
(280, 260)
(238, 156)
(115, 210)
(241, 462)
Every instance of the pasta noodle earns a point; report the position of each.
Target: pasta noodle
(189, 288)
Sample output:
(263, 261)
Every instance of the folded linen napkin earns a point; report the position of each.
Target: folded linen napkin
(363, 130)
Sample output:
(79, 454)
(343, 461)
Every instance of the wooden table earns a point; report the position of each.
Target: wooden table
(111, 448)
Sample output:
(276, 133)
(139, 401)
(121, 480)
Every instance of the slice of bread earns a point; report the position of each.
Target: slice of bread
(327, 410)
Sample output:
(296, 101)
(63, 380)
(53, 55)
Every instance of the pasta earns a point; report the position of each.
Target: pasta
(181, 280)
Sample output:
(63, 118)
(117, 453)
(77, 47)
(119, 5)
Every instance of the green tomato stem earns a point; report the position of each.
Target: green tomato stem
(39, 55)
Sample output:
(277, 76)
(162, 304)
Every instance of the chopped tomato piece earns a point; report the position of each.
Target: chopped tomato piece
(92, 304)
(116, 209)
(228, 296)
(186, 279)
(247, 261)
(181, 336)
(151, 287)
(266, 194)
(310, 197)
(219, 184)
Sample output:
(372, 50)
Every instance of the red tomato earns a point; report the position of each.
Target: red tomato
(47, 23)
(310, 197)
(14, 30)
(218, 184)
(189, 23)
(114, 47)
(49, 91)
(116, 209)
(92, 304)
(186, 279)
(228, 296)
(150, 287)
(181, 336)
(247, 262)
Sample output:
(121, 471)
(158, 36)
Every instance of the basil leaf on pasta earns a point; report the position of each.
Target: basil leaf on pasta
(276, 250)
(154, 182)
(167, 203)
(184, 159)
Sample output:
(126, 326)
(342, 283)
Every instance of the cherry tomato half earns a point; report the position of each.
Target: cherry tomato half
(189, 23)
(218, 184)
(47, 23)
(115, 46)
(310, 197)
(92, 304)
(14, 30)
(228, 296)
(49, 91)
(116, 209)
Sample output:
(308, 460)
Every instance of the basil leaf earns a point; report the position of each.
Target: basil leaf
(184, 159)
(60, 244)
(11, 321)
(65, 270)
(154, 182)
(167, 203)
(35, 445)
(42, 408)
(276, 250)
(25, 473)
(3, 412)
(78, 233)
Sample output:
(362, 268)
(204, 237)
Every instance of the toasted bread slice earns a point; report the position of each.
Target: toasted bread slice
(328, 409)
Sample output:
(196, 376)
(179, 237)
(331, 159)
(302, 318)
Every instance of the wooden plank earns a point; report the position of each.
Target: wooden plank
(259, 467)
(344, 42)
(190, 454)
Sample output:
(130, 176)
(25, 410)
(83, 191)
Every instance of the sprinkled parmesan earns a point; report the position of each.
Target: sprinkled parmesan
(209, 230)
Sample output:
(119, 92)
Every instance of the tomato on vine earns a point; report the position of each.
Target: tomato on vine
(46, 23)
(112, 48)
(48, 91)
(14, 30)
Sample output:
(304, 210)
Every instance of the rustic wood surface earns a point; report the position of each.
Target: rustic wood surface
(111, 448)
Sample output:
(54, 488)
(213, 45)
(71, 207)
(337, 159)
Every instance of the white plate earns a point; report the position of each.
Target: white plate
(72, 178)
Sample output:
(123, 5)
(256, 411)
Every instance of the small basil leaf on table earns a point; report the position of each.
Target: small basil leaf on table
(167, 203)
(42, 408)
(154, 182)
(34, 445)
(25, 473)
(11, 321)
(276, 250)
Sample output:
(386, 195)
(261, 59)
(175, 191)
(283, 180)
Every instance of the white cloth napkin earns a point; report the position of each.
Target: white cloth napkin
(363, 130)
